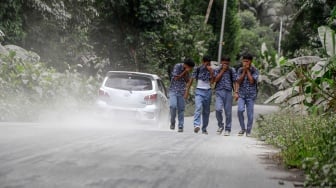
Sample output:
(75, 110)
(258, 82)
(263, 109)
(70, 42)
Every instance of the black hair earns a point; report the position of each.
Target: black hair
(248, 56)
(189, 62)
(225, 58)
(206, 58)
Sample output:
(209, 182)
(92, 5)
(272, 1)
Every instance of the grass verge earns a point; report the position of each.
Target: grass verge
(306, 142)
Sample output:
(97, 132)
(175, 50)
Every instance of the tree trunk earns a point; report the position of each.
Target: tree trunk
(134, 55)
(208, 12)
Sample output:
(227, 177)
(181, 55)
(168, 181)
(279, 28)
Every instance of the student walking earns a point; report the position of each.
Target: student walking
(179, 78)
(204, 77)
(247, 78)
(225, 78)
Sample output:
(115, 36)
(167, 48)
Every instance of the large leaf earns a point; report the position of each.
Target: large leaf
(304, 60)
(275, 72)
(319, 69)
(292, 77)
(296, 100)
(286, 81)
(282, 95)
(263, 78)
(287, 94)
(327, 37)
(299, 109)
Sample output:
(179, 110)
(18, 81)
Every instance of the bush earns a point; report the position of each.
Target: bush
(307, 142)
(31, 88)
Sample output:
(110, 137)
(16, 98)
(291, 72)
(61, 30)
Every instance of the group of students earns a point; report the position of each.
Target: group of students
(229, 84)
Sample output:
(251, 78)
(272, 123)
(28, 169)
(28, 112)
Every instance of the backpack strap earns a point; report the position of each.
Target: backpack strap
(197, 73)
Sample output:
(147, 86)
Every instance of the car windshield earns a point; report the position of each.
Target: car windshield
(129, 82)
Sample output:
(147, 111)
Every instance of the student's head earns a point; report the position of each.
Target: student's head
(225, 60)
(206, 60)
(247, 59)
(188, 63)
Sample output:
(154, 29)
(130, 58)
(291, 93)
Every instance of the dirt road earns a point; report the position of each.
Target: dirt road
(88, 153)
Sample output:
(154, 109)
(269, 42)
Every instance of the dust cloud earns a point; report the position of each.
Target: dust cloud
(84, 116)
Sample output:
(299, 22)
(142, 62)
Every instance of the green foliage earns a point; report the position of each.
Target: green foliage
(305, 141)
(302, 38)
(192, 7)
(56, 30)
(11, 20)
(252, 35)
(128, 35)
(267, 63)
(31, 88)
(123, 31)
(231, 28)
(307, 84)
(155, 39)
(248, 20)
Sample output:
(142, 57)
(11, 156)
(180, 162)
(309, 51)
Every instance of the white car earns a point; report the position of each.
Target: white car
(134, 95)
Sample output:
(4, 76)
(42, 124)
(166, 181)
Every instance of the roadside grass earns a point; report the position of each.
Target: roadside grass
(306, 142)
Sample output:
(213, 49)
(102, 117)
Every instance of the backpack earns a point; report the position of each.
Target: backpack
(170, 72)
(197, 72)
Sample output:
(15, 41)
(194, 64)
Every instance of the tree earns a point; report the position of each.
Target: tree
(303, 36)
(231, 33)
(132, 35)
(57, 30)
(11, 20)
(208, 11)
(253, 35)
(121, 30)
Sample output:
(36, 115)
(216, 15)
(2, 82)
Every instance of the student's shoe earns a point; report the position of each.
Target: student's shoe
(248, 135)
(227, 133)
(204, 132)
(180, 130)
(172, 126)
(220, 130)
(241, 133)
(196, 129)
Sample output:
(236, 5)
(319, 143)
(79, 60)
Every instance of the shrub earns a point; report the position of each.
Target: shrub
(307, 142)
(31, 87)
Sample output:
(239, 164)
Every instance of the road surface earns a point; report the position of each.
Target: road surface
(85, 152)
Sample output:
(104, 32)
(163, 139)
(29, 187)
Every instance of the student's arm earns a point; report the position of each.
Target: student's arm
(186, 94)
(249, 76)
(211, 71)
(241, 77)
(235, 91)
(186, 77)
(220, 74)
(236, 85)
(183, 74)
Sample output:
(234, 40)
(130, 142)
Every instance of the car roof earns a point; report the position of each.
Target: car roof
(109, 73)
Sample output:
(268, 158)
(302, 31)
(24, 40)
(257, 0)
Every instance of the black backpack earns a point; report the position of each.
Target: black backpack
(170, 72)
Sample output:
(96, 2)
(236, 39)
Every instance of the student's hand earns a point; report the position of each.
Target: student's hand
(187, 69)
(186, 95)
(209, 68)
(224, 67)
(235, 96)
(246, 65)
(246, 68)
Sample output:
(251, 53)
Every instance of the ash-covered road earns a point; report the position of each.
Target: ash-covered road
(88, 153)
